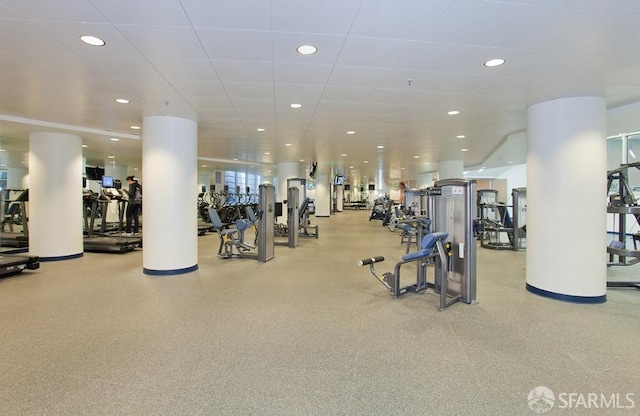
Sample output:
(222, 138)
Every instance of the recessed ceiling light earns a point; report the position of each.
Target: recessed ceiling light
(509, 161)
(288, 144)
(380, 147)
(203, 166)
(426, 163)
(344, 154)
(84, 145)
(350, 167)
(494, 62)
(306, 49)
(351, 132)
(301, 160)
(135, 127)
(453, 112)
(461, 136)
(135, 168)
(92, 40)
(111, 157)
(295, 105)
(252, 166)
(114, 139)
(122, 101)
(401, 168)
(365, 161)
(267, 153)
(260, 129)
(416, 157)
(464, 150)
(235, 158)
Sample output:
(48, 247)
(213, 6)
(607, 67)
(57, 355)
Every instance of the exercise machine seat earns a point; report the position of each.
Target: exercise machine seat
(217, 223)
(427, 245)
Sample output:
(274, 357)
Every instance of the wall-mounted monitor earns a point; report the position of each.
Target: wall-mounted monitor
(372, 187)
(94, 174)
(117, 183)
(107, 181)
(347, 187)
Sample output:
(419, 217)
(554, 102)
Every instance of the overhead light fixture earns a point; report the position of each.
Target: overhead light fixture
(122, 101)
(135, 127)
(288, 144)
(235, 158)
(306, 49)
(416, 157)
(401, 168)
(365, 161)
(252, 166)
(260, 129)
(461, 136)
(351, 132)
(111, 157)
(267, 153)
(344, 154)
(114, 139)
(453, 112)
(84, 145)
(92, 40)
(464, 150)
(494, 62)
(203, 166)
(295, 105)
(135, 168)
(301, 160)
(380, 147)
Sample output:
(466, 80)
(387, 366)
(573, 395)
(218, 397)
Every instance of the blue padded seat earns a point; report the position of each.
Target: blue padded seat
(427, 245)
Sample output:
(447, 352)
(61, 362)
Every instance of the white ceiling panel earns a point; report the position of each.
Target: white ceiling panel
(302, 74)
(28, 39)
(397, 19)
(229, 14)
(473, 22)
(186, 69)
(333, 17)
(549, 29)
(383, 53)
(73, 10)
(346, 94)
(238, 45)
(156, 13)
(357, 77)
(249, 89)
(599, 5)
(165, 42)
(210, 89)
(299, 92)
(244, 71)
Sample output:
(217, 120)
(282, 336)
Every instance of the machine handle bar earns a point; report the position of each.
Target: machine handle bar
(372, 260)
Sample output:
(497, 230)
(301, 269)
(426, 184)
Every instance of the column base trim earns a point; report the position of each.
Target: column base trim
(567, 298)
(153, 272)
(62, 258)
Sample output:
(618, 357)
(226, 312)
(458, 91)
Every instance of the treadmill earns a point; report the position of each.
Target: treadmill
(12, 211)
(106, 242)
(11, 264)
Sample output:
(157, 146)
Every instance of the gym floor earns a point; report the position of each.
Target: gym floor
(307, 333)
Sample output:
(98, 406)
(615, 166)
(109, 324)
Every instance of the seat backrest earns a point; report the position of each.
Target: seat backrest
(215, 219)
(303, 207)
(250, 214)
(429, 240)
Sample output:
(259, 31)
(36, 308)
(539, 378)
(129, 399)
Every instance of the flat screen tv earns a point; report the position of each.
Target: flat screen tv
(372, 187)
(94, 174)
(347, 187)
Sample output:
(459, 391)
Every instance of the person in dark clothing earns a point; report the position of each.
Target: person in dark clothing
(134, 206)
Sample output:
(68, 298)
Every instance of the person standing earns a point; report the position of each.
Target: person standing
(134, 206)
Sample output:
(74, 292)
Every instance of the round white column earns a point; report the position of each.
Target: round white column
(323, 195)
(169, 195)
(286, 170)
(566, 213)
(448, 169)
(55, 196)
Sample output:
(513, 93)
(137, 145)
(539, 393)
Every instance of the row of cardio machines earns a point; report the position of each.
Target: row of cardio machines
(451, 249)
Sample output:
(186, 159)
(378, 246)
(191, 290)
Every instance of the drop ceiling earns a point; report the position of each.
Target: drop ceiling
(389, 70)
